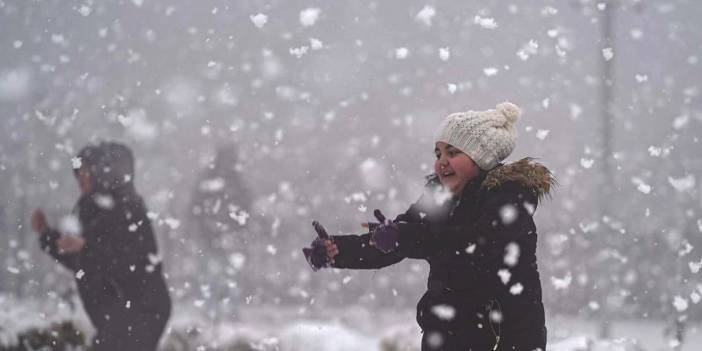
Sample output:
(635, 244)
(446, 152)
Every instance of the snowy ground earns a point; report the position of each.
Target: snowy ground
(342, 329)
(357, 328)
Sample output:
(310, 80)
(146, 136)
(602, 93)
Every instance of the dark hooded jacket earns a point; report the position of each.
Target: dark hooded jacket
(481, 248)
(118, 271)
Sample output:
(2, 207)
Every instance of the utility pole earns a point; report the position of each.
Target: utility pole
(606, 179)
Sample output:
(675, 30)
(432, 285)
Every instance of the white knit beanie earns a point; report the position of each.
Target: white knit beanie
(488, 137)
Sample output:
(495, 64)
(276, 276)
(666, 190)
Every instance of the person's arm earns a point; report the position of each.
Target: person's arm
(506, 215)
(355, 252)
(47, 242)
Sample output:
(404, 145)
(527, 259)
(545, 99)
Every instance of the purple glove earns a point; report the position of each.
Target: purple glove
(317, 255)
(384, 235)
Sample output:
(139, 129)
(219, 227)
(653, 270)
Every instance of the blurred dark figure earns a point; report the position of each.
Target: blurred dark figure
(220, 212)
(114, 256)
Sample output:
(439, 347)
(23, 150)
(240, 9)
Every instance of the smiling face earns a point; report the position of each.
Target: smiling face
(454, 168)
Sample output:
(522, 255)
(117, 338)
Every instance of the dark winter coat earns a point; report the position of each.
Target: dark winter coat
(118, 271)
(481, 248)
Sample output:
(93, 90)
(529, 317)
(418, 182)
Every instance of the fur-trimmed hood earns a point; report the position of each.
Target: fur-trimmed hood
(525, 172)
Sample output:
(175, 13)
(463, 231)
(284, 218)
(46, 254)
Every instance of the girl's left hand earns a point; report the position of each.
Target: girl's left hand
(70, 244)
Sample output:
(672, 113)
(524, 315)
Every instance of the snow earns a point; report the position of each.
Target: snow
(586, 162)
(508, 214)
(444, 312)
(309, 16)
(511, 257)
(683, 184)
(444, 54)
(490, 71)
(70, 224)
(516, 289)
(401, 53)
(426, 15)
(332, 109)
(259, 20)
(562, 283)
(541, 134)
(680, 303)
(504, 275)
(485, 22)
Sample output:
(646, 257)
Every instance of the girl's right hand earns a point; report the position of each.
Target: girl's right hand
(39, 223)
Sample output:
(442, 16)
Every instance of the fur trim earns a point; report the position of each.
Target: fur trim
(526, 172)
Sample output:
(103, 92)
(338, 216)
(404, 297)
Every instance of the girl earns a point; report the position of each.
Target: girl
(474, 227)
(115, 259)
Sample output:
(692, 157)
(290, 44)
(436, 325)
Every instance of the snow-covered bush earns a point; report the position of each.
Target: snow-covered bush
(57, 337)
(587, 343)
(401, 338)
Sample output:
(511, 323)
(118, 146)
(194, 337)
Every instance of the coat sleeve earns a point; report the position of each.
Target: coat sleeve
(355, 252)
(47, 242)
(505, 216)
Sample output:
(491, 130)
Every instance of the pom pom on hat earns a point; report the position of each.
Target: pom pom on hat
(510, 111)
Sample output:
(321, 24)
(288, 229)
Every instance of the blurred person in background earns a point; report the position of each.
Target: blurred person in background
(474, 227)
(113, 253)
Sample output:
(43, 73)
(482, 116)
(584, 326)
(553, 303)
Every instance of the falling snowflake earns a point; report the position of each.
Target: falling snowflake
(516, 289)
(562, 283)
(541, 134)
(259, 20)
(511, 254)
(586, 162)
(401, 53)
(680, 303)
(641, 78)
(504, 275)
(683, 184)
(607, 53)
(452, 88)
(485, 22)
(508, 214)
(444, 54)
(308, 17)
(425, 15)
(695, 266)
(490, 71)
(316, 44)
(444, 312)
(299, 51)
(641, 185)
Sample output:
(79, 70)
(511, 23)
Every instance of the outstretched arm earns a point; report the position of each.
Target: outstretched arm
(48, 238)
(48, 242)
(506, 216)
(356, 252)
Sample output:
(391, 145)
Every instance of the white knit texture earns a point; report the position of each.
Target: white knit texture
(488, 137)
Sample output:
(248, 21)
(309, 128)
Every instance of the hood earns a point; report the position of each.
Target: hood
(111, 166)
(525, 172)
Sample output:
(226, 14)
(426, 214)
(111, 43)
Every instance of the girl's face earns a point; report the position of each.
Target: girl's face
(454, 168)
(84, 183)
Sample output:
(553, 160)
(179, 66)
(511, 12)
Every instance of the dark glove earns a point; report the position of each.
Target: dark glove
(385, 235)
(317, 255)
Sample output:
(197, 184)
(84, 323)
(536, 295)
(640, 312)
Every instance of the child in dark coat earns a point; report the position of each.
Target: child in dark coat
(115, 259)
(474, 227)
